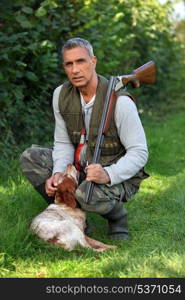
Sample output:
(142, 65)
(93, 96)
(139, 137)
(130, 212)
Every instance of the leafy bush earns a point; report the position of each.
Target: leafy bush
(125, 35)
(30, 69)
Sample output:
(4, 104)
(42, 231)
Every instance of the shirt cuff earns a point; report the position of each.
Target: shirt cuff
(111, 175)
(58, 169)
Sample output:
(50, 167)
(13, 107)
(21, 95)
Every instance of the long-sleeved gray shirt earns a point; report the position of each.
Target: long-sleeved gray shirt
(130, 131)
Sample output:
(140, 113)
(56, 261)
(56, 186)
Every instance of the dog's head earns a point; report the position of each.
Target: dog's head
(71, 171)
(67, 186)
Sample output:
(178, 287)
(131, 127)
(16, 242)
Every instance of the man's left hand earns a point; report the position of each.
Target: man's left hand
(97, 174)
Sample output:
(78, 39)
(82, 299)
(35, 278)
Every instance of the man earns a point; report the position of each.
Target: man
(77, 108)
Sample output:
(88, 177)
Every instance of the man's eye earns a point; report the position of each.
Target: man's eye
(81, 60)
(68, 64)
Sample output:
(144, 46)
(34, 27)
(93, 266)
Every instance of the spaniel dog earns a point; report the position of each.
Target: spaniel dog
(63, 223)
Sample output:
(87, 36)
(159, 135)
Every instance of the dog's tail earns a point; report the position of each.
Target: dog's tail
(96, 245)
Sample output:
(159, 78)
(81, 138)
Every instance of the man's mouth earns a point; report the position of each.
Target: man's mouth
(76, 79)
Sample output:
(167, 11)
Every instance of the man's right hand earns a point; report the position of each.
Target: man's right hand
(51, 183)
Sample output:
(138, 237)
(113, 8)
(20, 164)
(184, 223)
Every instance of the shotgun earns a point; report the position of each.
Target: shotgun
(144, 74)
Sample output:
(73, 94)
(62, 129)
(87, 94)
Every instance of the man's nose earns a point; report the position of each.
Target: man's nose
(75, 68)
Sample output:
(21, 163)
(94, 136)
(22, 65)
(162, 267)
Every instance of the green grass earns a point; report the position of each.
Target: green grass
(156, 247)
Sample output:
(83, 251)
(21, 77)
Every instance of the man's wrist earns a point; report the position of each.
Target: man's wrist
(58, 173)
(108, 177)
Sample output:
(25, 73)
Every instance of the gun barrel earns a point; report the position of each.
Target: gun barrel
(100, 137)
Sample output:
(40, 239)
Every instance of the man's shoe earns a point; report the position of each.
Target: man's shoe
(117, 221)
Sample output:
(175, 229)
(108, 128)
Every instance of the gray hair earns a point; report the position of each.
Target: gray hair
(78, 42)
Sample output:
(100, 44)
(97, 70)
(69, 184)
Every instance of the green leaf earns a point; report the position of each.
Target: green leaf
(27, 10)
(31, 76)
(21, 64)
(51, 3)
(18, 93)
(23, 21)
(41, 12)
(47, 44)
(1, 76)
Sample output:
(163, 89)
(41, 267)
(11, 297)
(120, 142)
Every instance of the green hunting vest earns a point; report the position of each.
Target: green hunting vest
(71, 111)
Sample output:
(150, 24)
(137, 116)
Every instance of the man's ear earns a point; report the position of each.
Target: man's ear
(94, 61)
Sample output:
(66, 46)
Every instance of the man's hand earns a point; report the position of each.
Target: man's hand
(97, 174)
(51, 183)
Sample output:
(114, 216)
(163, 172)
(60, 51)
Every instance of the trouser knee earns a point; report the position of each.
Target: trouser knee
(103, 198)
(36, 164)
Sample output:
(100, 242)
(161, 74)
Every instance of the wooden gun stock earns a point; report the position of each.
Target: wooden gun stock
(143, 74)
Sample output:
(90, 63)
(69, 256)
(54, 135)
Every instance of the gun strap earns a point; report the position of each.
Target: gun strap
(79, 149)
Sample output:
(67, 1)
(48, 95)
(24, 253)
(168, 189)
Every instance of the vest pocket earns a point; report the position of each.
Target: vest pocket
(111, 146)
(107, 149)
(75, 137)
(73, 123)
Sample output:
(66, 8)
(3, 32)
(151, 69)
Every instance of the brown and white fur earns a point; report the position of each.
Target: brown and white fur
(62, 223)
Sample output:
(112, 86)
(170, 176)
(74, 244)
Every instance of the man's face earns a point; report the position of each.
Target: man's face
(79, 66)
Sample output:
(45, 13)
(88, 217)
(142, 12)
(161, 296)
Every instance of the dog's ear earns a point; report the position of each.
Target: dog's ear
(59, 193)
(58, 197)
(69, 199)
(66, 192)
